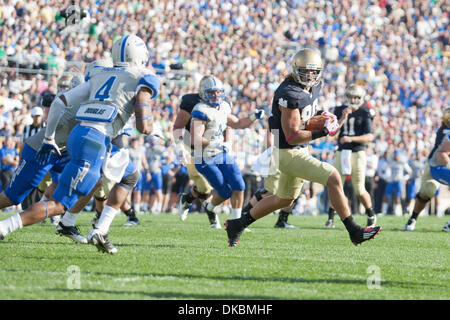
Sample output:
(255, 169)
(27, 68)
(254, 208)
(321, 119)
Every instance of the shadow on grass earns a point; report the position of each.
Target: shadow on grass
(167, 295)
(360, 282)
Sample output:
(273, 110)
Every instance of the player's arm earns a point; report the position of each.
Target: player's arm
(242, 123)
(443, 155)
(290, 124)
(198, 127)
(147, 89)
(183, 117)
(71, 97)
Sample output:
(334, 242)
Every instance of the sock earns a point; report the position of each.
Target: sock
(370, 212)
(189, 198)
(159, 207)
(210, 206)
(331, 213)
(137, 207)
(414, 216)
(384, 207)
(69, 219)
(236, 213)
(247, 208)
(398, 210)
(106, 219)
(351, 225)
(246, 219)
(11, 224)
(129, 212)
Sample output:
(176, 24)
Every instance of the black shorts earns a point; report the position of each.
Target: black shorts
(181, 182)
(167, 183)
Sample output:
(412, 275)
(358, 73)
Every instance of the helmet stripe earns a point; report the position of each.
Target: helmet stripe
(122, 49)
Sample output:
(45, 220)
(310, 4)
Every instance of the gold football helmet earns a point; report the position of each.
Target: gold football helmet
(355, 95)
(446, 117)
(64, 83)
(307, 67)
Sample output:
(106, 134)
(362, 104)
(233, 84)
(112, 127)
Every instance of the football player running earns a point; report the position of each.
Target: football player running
(181, 132)
(210, 119)
(106, 102)
(436, 172)
(350, 158)
(294, 103)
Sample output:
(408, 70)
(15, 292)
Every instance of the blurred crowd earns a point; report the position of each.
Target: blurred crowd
(398, 50)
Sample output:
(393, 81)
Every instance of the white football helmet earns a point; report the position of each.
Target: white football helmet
(130, 51)
(355, 95)
(212, 90)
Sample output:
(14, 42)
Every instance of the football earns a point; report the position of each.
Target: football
(316, 123)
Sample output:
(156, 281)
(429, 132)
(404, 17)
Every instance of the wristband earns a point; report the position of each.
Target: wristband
(319, 133)
(291, 136)
(252, 117)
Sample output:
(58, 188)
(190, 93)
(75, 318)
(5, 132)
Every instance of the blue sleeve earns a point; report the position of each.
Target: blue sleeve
(199, 115)
(152, 82)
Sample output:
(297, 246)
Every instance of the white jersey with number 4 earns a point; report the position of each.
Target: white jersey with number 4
(216, 123)
(111, 97)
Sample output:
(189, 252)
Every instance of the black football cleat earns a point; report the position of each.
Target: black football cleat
(234, 229)
(364, 235)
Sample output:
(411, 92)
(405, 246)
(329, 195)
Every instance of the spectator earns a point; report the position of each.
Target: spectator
(9, 157)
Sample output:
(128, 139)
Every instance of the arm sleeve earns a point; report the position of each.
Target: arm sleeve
(56, 110)
(73, 96)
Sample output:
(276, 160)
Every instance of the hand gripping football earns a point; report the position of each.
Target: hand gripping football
(316, 123)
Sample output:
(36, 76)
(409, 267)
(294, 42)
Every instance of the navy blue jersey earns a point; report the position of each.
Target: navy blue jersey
(188, 102)
(440, 135)
(358, 123)
(290, 94)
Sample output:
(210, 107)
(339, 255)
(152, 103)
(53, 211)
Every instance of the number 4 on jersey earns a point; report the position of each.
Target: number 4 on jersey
(103, 93)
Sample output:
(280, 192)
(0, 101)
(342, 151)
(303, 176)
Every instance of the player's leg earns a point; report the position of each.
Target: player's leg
(216, 179)
(331, 212)
(397, 199)
(428, 189)
(387, 197)
(66, 227)
(201, 190)
(358, 180)
(116, 199)
(296, 165)
(157, 184)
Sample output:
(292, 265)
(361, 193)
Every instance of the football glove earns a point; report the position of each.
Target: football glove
(332, 125)
(259, 114)
(46, 151)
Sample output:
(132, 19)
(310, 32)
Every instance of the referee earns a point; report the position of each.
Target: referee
(38, 123)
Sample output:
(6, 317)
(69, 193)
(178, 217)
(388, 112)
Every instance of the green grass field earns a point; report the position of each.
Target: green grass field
(167, 259)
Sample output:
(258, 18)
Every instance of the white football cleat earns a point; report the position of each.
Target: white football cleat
(410, 225)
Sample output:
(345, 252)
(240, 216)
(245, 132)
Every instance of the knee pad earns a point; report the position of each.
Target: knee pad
(259, 194)
(131, 180)
(421, 199)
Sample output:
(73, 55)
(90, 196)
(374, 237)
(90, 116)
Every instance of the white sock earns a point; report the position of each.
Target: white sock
(210, 206)
(137, 207)
(236, 213)
(398, 210)
(106, 219)
(11, 224)
(384, 207)
(145, 207)
(69, 219)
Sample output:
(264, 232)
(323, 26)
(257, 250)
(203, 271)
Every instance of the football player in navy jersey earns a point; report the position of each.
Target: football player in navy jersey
(350, 159)
(294, 103)
(430, 180)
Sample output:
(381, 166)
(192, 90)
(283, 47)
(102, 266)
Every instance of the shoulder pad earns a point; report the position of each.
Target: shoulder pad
(150, 81)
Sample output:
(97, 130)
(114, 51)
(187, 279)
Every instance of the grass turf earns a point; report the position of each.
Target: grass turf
(167, 259)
